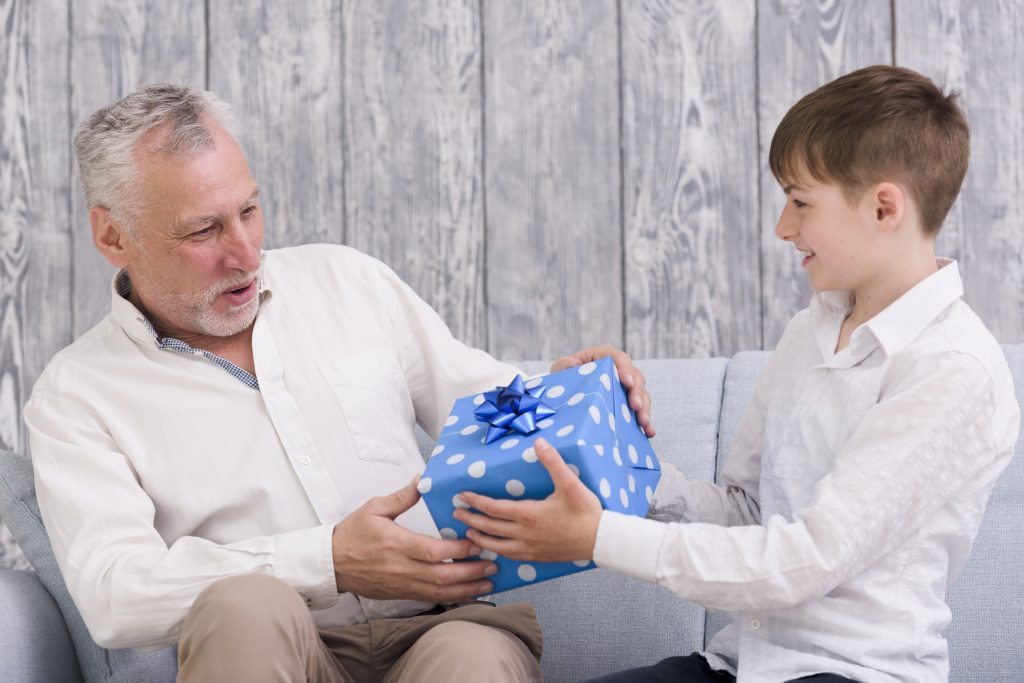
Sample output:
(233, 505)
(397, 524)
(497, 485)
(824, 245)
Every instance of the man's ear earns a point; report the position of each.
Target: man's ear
(889, 203)
(109, 236)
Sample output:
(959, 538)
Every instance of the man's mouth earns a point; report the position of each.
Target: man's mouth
(240, 295)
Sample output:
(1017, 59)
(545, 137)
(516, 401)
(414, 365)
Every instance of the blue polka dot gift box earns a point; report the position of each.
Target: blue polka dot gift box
(486, 447)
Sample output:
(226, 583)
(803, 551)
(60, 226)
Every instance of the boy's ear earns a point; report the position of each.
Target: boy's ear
(109, 236)
(889, 203)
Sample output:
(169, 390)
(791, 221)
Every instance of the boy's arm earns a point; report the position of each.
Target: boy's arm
(933, 437)
(938, 434)
(734, 500)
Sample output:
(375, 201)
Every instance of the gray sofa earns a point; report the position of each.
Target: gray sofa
(596, 621)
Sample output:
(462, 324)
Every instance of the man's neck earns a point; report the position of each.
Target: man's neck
(236, 348)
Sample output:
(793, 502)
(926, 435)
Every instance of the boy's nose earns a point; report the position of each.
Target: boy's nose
(785, 229)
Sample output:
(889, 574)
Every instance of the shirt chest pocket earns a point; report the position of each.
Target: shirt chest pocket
(375, 404)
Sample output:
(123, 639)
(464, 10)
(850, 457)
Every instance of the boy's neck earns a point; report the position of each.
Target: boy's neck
(884, 288)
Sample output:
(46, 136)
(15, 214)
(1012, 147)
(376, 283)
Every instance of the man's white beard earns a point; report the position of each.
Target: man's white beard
(193, 311)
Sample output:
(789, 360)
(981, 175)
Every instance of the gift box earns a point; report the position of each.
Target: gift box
(486, 447)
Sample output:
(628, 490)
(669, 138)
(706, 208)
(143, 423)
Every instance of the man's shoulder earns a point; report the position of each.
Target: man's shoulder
(320, 256)
(327, 274)
(105, 342)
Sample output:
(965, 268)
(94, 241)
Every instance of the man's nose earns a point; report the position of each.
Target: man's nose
(243, 248)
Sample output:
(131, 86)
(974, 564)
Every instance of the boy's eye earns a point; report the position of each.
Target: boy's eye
(799, 204)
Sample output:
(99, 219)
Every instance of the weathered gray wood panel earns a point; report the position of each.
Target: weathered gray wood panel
(117, 45)
(976, 48)
(802, 45)
(552, 169)
(279, 65)
(35, 274)
(413, 150)
(690, 178)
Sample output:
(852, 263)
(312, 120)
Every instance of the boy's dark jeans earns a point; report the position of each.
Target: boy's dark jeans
(693, 668)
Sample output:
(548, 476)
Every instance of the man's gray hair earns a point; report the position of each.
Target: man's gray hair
(105, 142)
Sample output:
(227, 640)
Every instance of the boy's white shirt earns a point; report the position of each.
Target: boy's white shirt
(851, 496)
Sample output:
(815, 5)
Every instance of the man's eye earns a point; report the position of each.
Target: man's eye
(249, 210)
(205, 232)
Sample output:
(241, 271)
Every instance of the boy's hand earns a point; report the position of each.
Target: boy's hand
(560, 528)
(632, 379)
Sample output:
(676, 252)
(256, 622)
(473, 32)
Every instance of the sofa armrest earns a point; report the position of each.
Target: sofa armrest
(34, 643)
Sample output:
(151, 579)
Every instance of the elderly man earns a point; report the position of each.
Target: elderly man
(227, 461)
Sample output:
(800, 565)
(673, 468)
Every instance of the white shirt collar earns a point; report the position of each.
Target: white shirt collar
(892, 329)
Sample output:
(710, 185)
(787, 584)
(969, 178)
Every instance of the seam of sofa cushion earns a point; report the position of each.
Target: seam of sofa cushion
(714, 474)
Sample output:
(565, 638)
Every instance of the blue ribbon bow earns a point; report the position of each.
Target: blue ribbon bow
(513, 408)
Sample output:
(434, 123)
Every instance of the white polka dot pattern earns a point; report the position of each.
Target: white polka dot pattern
(591, 422)
(526, 572)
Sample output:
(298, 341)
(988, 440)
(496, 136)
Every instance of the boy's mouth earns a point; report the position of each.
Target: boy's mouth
(807, 258)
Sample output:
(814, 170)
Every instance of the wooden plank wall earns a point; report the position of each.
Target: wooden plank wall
(546, 174)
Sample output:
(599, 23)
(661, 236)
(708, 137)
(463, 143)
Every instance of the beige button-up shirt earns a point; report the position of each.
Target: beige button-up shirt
(158, 472)
(850, 499)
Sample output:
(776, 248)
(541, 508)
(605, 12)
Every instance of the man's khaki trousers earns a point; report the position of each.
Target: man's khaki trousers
(256, 628)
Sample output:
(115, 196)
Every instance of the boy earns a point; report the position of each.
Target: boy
(860, 473)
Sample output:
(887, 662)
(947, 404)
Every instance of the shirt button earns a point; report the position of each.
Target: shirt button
(755, 624)
(305, 460)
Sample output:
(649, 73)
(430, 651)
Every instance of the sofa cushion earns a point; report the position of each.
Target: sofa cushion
(18, 508)
(36, 621)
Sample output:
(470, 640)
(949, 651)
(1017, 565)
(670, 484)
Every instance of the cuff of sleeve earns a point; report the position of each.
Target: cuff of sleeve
(303, 559)
(629, 545)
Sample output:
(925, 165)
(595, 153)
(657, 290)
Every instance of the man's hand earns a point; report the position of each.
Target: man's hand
(376, 558)
(632, 379)
(560, 528)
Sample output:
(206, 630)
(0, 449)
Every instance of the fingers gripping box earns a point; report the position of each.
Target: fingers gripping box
(486, 447)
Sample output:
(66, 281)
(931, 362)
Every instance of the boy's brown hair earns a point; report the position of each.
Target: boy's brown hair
(878, 123)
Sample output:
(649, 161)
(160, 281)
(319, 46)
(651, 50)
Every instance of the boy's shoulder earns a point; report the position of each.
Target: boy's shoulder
(959, 330)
